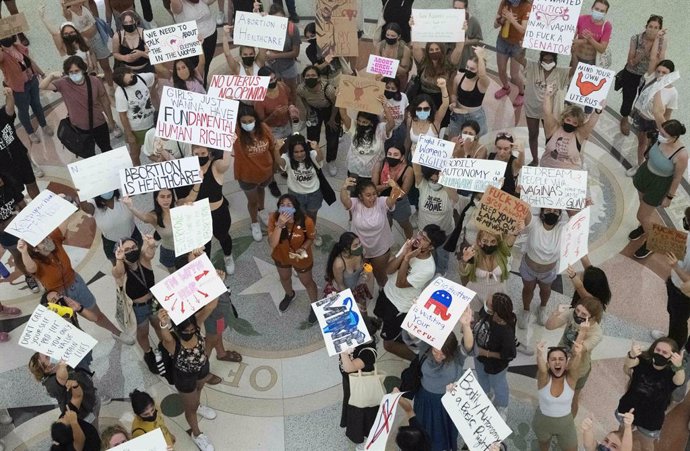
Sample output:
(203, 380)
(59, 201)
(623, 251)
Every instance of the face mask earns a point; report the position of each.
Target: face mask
(203, 160)
(390, 95)
(392, 162)
(435, 186)
(54, 361)
(435, 56)
(659, 360)
(7, 42)
(272, 85)
(186, 336)
(107, 196)
(133, 256)
(48, 246)
(598, 16)
(362, 129)
(152, 418)
(248, 127)
(69, 38)
(248, 60)
(548, 66)
(391, 41)
(514, 2)
(490, 249)
(311, 82)
(130, 28)
(465, 136)
(602, 447)
(469, 74)
(77, 78)
(423, 115)
(312, 40)
(357, 251)
(686, 225)
(577, 319)
(663, 139)
(287, 210)
(550, 219)
(569, 128)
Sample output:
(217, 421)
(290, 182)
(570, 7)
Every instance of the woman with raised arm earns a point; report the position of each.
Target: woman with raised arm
(467, 95)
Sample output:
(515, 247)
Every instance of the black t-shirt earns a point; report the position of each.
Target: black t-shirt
(649, 393)
(93, 441)
(10, 196)
(494, 337)
(398, 12)
(366, 352)
(10, 143)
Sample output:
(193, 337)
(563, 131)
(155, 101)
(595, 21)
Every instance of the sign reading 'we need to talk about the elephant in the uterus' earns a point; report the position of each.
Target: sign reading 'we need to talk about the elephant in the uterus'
(437, 310)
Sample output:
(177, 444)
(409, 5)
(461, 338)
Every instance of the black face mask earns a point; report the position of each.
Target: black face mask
(152, 418)
(7, 42)
(70, 38)
(248, 60)
(577, 319)
(133, 81)
(272, 85)
(362, 129)
(391, 41)
(203, 160)
(490, 249)
(133, 256)
(392, 162)
(659, 360)
(390, 95)
(131, 28)
(186, 336)
(470, 75)
(311, 82)
(550, 219)
(686, 226)
(569, 128)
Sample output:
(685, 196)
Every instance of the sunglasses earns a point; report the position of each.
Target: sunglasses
(504, 135)
(424, 108)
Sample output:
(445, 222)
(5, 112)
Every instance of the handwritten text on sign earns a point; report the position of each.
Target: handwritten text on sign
(500, 212)
(432, 152)
(565, 189)
(336, 27)
(473, 414)
(388, 67)
(43, 215)
(552, 25)
(264, 32)
(383, 424)
(189, 288)
(197, 119)
(438, 25)
(340, 322)
(12, 25)
(239, 87)
(99, 174)
(575, 239)
(437, 310)
(590, 85)
(151, 441)
(157, 176)
(662, 240)
(173, 42)
(472, 174)
(192, 226)
(50, 334)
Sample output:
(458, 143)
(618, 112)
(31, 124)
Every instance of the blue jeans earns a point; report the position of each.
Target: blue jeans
(80, 292)
(496, 382)
(457, 119)
(29, 98)
(441, 259)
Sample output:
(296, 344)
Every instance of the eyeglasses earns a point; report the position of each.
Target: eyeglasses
(423, 108)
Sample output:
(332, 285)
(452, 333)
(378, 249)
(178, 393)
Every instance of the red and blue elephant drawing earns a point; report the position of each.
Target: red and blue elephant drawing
(440, 301)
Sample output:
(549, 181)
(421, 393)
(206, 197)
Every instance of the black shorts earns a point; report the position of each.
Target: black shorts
(19, 167)
(392, 319)
(186, 382)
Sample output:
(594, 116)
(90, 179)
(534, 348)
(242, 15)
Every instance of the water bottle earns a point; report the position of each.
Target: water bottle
(4, 273)
(159, 361)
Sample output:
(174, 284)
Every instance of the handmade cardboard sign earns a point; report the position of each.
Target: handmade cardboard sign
(432, 152)
(437, 310)
(189, 288)
(12, 25)
(360, 94)
(151, 441)
(384, 423)
(38, 219)
(195, 118)
(565, 189)
(336, 27)
(590, 85)
(264, 32)
(173, 42)
(552, 25)
(662, 240)
(239, 87)
(340, 322)
(157, 176)
(472, 412)
(388, 67)
(99, 174)
(50, 334)
(438, 25)
(574, 240)
(471, 174)
(192, 226)
(499, 212)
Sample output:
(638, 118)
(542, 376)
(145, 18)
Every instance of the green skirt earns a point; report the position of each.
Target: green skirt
(652, 187)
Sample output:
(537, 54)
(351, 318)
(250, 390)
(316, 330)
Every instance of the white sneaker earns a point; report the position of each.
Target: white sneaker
(229, 264)
(524, 349)
(220, 18)
(523, 319)
(256, 232)
(48, 130)
(263, 217)
(361, 446)
(206, 412)
(5, 419)
(332, 169)
(632, 171)
(542, 316)
(656, 334)
(318, 241)
(38, 172)
(124, 338)
(34, 138)
(105, 400)
(117, 131)
(202, 442)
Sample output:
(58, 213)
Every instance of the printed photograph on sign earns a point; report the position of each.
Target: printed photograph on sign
(99, 174)
(471, 174)
(384, 423)
(564, 189)
(264, 32)
(664, 240)
(341, 15)
(387, 67)
(173, 42)
(157, 176)
(360, 94)
(239, 87)
(438, 25)
(574, 240)
(192, 226)
(38, 219)
(500, 212)
(340, 322)
(432, 152)
(590, 85)
(552, 25)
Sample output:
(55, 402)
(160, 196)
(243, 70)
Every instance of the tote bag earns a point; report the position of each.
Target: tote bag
(366, 389)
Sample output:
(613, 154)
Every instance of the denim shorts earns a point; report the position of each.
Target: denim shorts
(457, 119)
(245, 186)
(167, 257)
(646, 432)
(402, 211)
(643, 124)
(531, 275)
(309, 201)
(143, 311)
(506, 48)
(80, 292)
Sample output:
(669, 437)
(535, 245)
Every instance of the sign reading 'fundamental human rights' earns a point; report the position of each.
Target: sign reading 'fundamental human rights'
(157, 176)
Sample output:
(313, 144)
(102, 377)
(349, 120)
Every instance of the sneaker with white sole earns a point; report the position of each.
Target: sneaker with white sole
(524, 349)
(632, 171)
(332, 169)
(256, 231)
(117, 131)
(32, 284)
(105, 400)
(47, 130)
(656, 334)
(318, 241)
(361, 446)
(542, 316)
(124, 338)
(206, 412)
(202, 442)
(38, 172)
(523, 319)
(263, 217)
(34, 138)
(229, 264)
(5, 419)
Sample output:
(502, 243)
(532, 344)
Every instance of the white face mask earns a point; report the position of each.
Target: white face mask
(435, 186)
(77, 78)
(248, 127)
(487, 309)
(467, 137)
(548, 66)
(664, 140)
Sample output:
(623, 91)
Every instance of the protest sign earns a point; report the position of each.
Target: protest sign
(500, 212)
(662, 240)
(471, 174)
(43, 215)
(564, 189)
(195, 118)
(345, 34)
(476, 418)
(192, 226)
(173, 42)
(646, 96)
(151, 441)
(384, 422)
(157, 176)
(239, 87)
(360, 94)
(340, 322)
(99, 174)
(432, 152)
(575, 239)
(438, 25)
(552, 25)
(264, 32)
(590, 86)
(12, 25)
(337, 21)
(189, 288)
(388, 67)
(437, 309)
(50, 334)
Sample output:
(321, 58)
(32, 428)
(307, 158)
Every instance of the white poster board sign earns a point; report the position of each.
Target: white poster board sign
(264, 32)
(50, 334)
(99, 174)
(151, 441)
(194, 118)
(472, 174)
(473, 414)
(192, 226)
(575, 239)
(437, 310)
(189, 288)
(173, 42)
(438, 25)
(432, 152)
(590, 85)
(383, 424)
(239, 87)
(552, 25)
(43, 215)
(156, 176)
(564, 189)
(340, 322)
(388, 67)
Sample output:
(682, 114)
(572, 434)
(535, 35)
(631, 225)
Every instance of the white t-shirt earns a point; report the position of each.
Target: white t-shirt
(200, 12)
(435, 207)
(544, 246)
(177, 149)
(398, 108)
(669, 99)
(114, 224)
(302, 180)
(421, 273)
(362, 159)
(135, 100)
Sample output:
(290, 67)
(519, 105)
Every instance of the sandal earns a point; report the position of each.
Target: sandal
(214, 380)
(9, 311)
(230, 356)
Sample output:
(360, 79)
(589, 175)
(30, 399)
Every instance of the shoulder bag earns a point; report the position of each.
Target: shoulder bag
(366, 389)
(124, 312)
(79, 143)
(411, 377)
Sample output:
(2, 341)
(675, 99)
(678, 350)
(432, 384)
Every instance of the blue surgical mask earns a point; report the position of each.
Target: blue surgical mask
(107, 196)
(288, 210)
(248, 127)
(602, 447)
(77, 78)
(598, 16)
(54, 361)
(423, 115)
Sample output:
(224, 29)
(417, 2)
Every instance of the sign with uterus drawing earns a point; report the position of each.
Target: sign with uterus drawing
(590, 85)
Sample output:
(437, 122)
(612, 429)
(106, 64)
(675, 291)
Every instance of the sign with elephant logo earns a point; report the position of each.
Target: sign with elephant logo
(590, 86)
(360, 94)
(434, 315)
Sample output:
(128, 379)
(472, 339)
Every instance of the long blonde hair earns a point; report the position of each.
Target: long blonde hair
(502, 254)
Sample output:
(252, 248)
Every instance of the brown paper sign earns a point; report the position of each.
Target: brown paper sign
(360, 94)
(346, 41)
(663, 240)
(69, 3)
(330, 16)
(499, 212)
(11, 25)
